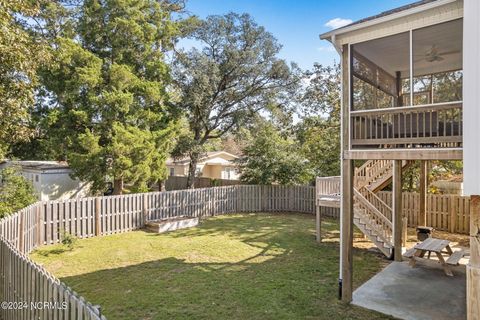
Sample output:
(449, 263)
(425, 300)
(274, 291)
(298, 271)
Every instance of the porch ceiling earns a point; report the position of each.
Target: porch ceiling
(392, 53)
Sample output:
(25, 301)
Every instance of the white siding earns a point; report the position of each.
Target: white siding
(60, 186)
(471, 97)
(422, 19)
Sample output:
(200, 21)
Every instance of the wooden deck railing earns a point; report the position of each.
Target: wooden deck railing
(327, 185)
(432, 125)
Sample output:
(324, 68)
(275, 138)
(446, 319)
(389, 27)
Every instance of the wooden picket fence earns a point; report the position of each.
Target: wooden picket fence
(23, 282)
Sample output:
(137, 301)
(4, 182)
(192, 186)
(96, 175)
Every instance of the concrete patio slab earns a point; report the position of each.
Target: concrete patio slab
(420, 293)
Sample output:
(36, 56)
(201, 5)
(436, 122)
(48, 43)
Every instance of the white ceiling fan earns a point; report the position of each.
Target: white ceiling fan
(434, 55)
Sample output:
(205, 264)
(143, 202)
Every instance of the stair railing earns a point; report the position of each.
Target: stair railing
(370, 171)
(378, 222)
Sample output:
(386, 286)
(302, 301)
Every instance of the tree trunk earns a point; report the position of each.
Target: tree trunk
(192, 168)
(117, 186)
(161, 185)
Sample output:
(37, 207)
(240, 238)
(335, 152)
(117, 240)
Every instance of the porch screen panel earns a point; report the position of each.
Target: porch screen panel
(377, 68)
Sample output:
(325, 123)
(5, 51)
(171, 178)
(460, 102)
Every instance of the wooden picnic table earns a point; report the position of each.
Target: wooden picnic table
(437, 246)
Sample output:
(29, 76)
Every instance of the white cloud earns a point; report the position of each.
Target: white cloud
(326, 49)
(337, 23)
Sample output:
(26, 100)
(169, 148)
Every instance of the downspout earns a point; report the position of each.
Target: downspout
(339, 51)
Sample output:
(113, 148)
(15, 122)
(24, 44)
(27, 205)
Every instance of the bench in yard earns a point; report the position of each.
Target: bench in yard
(455, 258)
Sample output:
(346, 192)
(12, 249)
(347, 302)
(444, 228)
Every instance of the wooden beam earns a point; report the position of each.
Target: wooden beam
(318, 223)
(405, 154)
(422, 218)
(473, 267)
(398, 80)
(347, 230)
(397, 209)
(346, 208)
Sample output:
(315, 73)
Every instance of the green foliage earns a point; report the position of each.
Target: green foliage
(319, 131)
(229, 80)
(109, 113)
(20, 55)
(270, 158)
(438, 170)
(68, 240)
(16, 192)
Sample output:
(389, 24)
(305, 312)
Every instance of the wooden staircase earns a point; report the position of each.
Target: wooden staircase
(371, 214)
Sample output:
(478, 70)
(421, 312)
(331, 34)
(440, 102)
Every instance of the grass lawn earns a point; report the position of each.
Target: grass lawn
(242, 266)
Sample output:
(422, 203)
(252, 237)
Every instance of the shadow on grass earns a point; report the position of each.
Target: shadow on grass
(290, 277)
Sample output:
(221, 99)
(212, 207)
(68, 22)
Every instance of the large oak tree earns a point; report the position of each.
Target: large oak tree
(231, 74)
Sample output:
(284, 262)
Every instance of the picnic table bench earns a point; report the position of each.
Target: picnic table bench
(438, 247)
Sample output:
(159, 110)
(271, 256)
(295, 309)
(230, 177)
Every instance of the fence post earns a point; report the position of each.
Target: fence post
(39, 224)
(145, 208)
(21, 233)
(453, 214)
(97, 216)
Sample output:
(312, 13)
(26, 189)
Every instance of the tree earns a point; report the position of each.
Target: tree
(16, 192)
(271, 158)
(20, 55)
(319, 131)
(228, 81)
(109, 107)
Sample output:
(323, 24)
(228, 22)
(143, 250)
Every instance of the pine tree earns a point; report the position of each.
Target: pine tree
(107, 87)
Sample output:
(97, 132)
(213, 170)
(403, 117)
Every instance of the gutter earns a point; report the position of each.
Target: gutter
(330, 36)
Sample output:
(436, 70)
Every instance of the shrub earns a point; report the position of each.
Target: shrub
(68, 240)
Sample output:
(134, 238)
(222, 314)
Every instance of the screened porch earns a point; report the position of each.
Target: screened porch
(407, 89)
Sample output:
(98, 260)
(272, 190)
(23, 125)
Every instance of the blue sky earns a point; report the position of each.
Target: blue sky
(298, 23)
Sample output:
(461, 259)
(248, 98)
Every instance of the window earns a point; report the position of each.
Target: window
(36, 178)
(172, 171)
(227, 173)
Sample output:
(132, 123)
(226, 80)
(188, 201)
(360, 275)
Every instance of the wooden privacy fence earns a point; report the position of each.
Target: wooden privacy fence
(445, 212)
(180, 182)
(27, 290)
(23, 282)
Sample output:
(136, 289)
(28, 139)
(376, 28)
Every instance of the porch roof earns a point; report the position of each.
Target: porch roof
(385, 16)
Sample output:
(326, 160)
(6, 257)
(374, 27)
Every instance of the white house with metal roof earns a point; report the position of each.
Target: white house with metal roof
(51, 180)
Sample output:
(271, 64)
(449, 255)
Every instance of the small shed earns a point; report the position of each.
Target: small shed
(51, 180)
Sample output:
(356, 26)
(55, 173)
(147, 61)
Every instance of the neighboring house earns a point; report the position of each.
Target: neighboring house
(51, 179)
(214, 165)
(410, 91)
